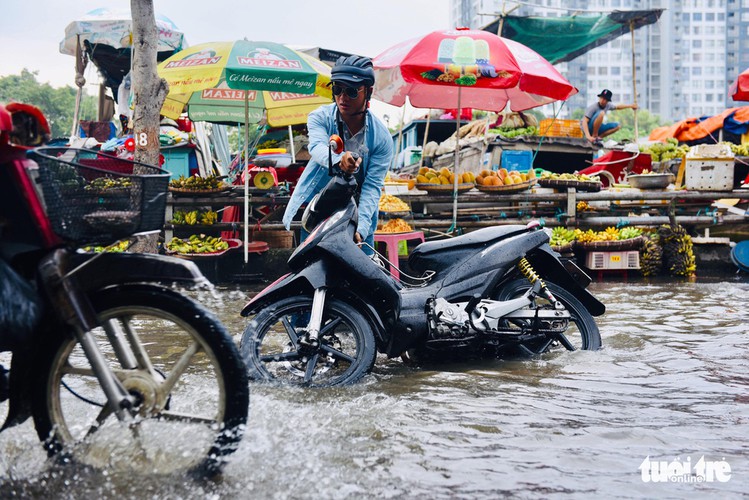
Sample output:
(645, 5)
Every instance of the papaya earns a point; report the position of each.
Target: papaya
(445, 172)
(422, 179)
(485, 173)
(480, 180)
(423, 170)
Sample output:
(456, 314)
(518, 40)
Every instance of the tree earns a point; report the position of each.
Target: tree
(57, 104)
(150, 90)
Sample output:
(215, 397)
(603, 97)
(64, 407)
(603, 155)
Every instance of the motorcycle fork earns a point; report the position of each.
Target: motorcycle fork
(315, 320)
(73, 307)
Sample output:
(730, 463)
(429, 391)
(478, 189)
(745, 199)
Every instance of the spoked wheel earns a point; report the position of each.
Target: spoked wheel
(579, 332)
(274, 349)
(182, 369)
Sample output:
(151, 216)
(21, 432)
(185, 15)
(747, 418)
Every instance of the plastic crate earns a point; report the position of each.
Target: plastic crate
(88, 205)
(560, 128)
(628, 259)
(516, 160)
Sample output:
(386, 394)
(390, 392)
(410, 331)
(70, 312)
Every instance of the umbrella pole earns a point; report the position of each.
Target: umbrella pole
(291, 145)
(246, 173)
(424, 143)
(455, 169)
(80, 81)
(400, 140)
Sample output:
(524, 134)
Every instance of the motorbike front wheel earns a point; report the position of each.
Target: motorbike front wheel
(178, 362)
(581, 332)
(272, 349)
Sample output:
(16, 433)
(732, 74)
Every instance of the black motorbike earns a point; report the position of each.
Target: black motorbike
(114, 366)
(489, 292)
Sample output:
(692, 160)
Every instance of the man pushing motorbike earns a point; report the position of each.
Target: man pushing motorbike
(368, 147)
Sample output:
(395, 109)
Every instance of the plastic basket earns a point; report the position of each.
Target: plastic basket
(559, 128)
(89, 204)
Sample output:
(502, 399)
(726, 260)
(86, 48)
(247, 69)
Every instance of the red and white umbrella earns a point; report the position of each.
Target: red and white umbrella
(739, 89)
(482, 69)
(450, 69)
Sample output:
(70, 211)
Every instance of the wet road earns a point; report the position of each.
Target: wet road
(671, 385)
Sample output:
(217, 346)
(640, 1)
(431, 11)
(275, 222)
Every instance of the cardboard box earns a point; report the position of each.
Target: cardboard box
(628, 259)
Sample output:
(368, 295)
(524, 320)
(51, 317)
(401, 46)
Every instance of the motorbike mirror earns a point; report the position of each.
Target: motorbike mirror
(336, 144)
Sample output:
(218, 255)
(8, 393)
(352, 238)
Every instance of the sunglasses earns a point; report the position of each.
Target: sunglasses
(351, 92)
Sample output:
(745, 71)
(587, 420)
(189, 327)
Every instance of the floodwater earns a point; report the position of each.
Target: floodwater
(668, 394)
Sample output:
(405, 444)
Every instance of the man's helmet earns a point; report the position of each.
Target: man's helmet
(353, 71)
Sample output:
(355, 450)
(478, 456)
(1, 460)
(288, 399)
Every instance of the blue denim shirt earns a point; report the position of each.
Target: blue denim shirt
(376, 157)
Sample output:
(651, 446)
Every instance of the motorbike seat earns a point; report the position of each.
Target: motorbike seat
(481, 237)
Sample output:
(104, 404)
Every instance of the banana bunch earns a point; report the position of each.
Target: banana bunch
(197, 243)
(208, 217)
(119, 247)
(609, 234)
(629, 232)
(651, 256)
(669, 150)
(740, 149)
(197, 183)
(583, 206)
(104, 183)
(191, 218)
(561, 236)
(678, 252)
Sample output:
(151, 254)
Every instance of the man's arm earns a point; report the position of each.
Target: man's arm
(626, 106)
(319, 138)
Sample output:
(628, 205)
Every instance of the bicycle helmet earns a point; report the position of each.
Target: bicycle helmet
(353, 70)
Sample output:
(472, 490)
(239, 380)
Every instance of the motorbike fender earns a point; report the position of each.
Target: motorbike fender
(474, 274)
(544, 260)
(305, 282)
(108, 269)
(315, 275)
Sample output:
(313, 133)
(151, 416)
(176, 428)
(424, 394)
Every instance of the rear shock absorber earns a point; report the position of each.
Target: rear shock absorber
(527, 270)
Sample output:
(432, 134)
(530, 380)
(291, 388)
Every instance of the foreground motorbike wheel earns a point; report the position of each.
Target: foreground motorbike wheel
(582, 331)
(189, 384)
(272, 349)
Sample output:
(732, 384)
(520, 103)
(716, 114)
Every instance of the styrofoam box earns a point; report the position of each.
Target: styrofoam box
(703, 174)
(628, 259)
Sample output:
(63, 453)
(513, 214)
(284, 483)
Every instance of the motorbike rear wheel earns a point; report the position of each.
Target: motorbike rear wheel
(582, 332)
(271, 348)
(189, 384)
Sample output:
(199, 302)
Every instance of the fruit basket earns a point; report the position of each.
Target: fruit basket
(612, 245)
(444, 188)
(198, 192)
(232, 244)
(507, 188)
(591, 186)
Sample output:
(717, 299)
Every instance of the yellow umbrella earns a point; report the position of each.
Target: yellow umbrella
(208, 77)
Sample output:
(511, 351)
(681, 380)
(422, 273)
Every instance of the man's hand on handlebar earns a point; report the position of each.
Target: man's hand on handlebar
(357, 238)
(350, 162)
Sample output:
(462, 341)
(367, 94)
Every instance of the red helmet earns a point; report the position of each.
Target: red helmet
(28, 126)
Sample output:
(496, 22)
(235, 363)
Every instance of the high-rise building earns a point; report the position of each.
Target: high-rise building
(683, 64)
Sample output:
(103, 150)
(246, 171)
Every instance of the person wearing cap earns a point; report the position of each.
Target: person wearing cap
(368, 146)
(592, 123)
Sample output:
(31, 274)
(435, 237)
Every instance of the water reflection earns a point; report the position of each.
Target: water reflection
(670, 383)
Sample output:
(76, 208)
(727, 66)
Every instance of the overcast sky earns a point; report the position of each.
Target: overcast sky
(31, 30)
